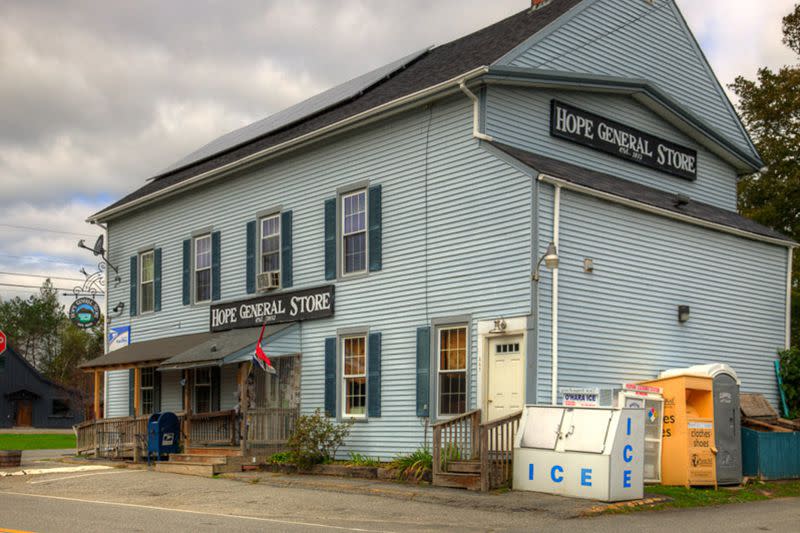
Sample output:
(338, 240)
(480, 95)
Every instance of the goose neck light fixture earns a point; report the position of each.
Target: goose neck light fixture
(550, 259)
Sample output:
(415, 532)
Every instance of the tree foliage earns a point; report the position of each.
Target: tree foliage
(770, 109)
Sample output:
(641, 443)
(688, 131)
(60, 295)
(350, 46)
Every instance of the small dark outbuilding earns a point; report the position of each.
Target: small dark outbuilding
(29, 399)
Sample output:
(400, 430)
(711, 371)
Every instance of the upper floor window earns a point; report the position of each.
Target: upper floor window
(354, 232)
(354, 376)
(271, 245)
(452, 370)
(147, 296)
(202, 269)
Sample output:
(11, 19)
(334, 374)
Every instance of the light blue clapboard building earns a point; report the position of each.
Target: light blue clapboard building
(399, 236)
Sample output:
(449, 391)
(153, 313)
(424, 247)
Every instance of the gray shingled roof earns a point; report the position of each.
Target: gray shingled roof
(153, 350)
(630, 190)
(445, 62)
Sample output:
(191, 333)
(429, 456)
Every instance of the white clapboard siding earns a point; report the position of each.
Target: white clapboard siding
(521, 117)
(641, 40)
(117, 393)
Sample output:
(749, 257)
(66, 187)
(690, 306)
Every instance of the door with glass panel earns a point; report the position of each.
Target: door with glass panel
(506, 374)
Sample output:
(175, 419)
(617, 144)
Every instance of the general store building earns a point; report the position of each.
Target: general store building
(411, 206)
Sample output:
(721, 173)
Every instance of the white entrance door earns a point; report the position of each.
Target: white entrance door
(506, 391)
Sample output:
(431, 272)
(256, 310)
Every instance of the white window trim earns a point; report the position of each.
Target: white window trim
(261, 243)
(342, 257)
(343, 378)
(209, 268)
(438, 346)
(152, 282)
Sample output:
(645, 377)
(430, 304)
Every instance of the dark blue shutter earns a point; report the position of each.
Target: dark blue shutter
(330, 238)
(423, 371)
(157, 278)
(375, 230)
(216, 275)
(187, 272)
(215, 379)
(374, 376)
(286, 249)
(250, 268)
(134, 289)
(131, 383)
(330, 376)
(156, 391)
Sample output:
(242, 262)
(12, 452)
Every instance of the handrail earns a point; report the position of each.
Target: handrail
(497, 450)
(213, 414)
(455, 439)
(456, 418)
(500, 421)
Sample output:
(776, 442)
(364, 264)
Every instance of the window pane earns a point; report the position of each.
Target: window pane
(148, 377)
(203, 285)
(148, 267)
(356, 396)
(202, 376)
(148, 297)
(202, 248)
(453, 349)
(202, 399)
(452, 393)
(355, 361)
(355, 252)
(147, 401)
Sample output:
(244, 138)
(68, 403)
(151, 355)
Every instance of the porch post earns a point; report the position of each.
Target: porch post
(137, 385)
(97, 394)
(187, 406)
(244, 403)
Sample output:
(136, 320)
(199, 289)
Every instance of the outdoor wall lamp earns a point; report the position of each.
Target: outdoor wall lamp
(683, 313)
(550, 259)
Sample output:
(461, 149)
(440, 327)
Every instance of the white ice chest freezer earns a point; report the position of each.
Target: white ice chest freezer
(583, 452)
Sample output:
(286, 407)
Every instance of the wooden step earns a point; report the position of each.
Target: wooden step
(199, 468)
(464, 467)
(220, 450)
(459, 481)
(198, 458)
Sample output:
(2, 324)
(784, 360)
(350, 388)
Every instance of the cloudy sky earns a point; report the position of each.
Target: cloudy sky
(97, 96)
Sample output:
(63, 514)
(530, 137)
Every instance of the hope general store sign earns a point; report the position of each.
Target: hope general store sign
(582, 127)
(308, 304)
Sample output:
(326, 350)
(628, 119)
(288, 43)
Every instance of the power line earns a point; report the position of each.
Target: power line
(34, 258)
(46, 230)
(39, 276)
(55, 288)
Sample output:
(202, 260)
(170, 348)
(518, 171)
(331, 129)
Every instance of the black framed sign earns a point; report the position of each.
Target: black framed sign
(606, 135)
(308, 304)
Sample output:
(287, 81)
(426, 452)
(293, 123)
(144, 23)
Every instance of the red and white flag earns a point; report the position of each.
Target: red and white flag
(260, 357)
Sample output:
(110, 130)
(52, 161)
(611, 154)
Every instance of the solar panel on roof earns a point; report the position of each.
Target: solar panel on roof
(299, 111)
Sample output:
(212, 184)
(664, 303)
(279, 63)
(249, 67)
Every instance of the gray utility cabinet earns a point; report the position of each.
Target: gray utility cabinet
(727, 419)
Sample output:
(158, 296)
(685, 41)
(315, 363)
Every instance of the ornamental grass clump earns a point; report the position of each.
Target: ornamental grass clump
(316, 439)
(414, 465)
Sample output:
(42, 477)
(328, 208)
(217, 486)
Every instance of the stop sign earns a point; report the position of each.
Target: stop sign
(2, 342)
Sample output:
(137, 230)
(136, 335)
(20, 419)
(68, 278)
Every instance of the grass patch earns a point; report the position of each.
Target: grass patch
(36, 441)
(682, 498)
(357, 459)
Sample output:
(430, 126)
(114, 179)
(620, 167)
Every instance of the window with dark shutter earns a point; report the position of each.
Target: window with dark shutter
(423, 371)
(330, 376)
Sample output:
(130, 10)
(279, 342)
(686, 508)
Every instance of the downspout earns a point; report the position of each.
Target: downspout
(476, 110)
(789, 298)
(554, 291)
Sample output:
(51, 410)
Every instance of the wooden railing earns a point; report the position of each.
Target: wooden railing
(464, 438)
(455, 439)
(269, 427)
(219, 428)
(112, 437)
(497, 451)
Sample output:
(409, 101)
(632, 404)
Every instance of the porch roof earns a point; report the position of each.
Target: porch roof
(216, 349)
(153, 351)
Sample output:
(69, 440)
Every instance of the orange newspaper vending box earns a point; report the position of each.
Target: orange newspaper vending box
(687, 452)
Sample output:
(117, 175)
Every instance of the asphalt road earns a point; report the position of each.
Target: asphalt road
(128, 500)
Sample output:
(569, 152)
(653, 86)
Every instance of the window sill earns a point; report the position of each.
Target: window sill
(354, 419)
(351, 277)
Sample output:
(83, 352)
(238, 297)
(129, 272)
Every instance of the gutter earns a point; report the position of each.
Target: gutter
(209, 175)
(554, 294)
(665, 212)
(476, 110)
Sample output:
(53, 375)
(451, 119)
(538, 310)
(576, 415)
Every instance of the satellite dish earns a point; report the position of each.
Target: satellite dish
(98, 246)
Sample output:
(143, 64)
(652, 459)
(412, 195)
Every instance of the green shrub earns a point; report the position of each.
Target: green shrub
(280, 458)
(415, 464)
(790, 374)
(316, 438)
(356, 459)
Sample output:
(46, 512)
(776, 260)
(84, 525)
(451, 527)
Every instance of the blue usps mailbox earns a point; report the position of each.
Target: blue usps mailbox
(163, 434)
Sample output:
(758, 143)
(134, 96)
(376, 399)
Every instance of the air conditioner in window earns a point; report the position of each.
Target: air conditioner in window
(268, 281)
